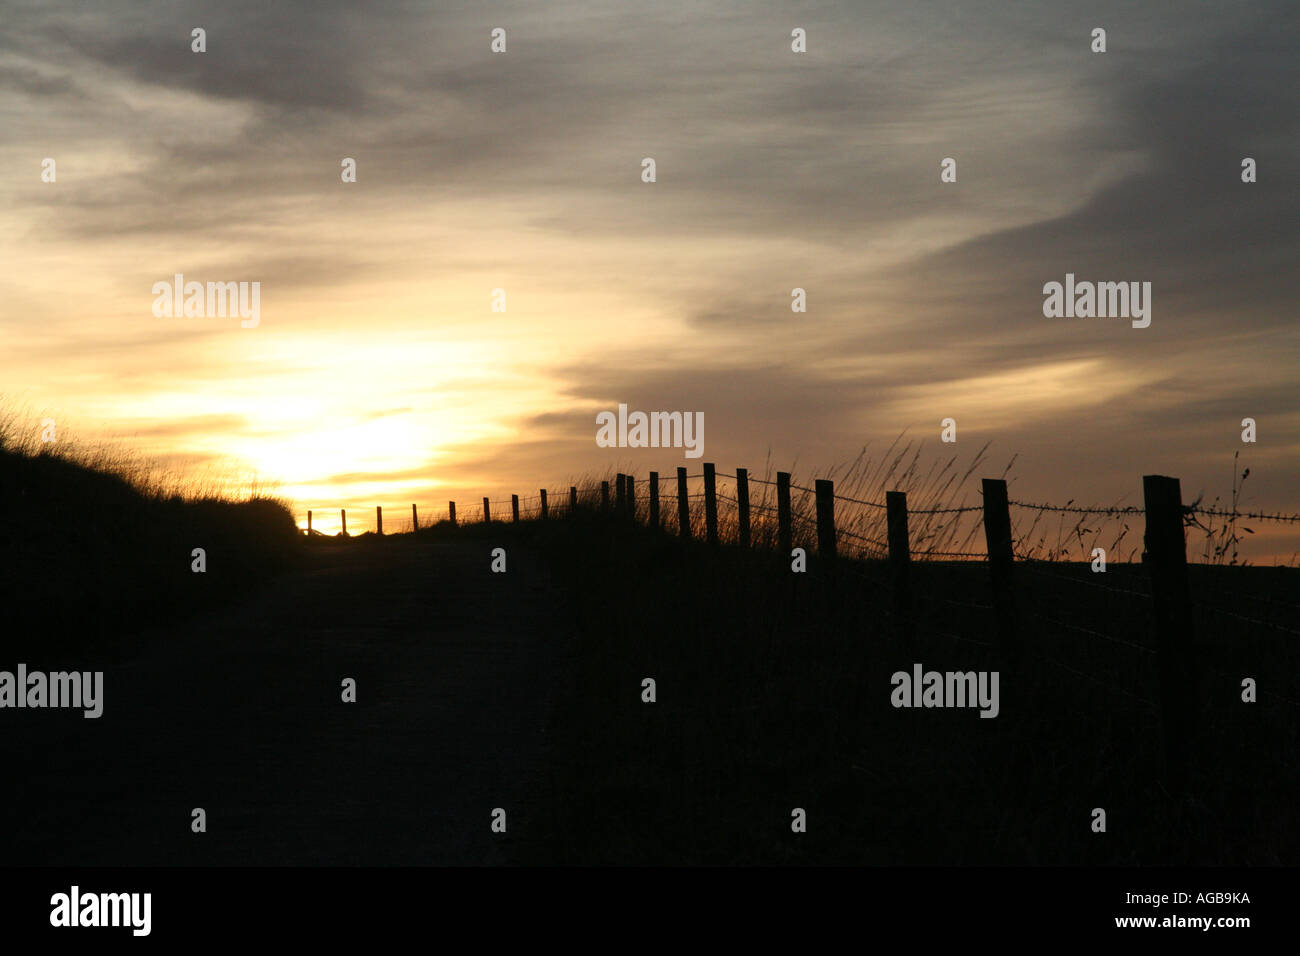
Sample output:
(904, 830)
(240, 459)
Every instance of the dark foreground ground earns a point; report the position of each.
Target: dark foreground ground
(523, 691)
(241, 714)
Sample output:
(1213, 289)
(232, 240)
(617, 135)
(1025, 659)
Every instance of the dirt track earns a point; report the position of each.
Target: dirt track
(240, 714)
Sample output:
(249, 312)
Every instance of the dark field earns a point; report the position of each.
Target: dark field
(523, 691)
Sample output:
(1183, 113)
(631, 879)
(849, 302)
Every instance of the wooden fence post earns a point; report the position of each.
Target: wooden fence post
(620, 502)
(900, 559)
(379, 519)
(683, 505)
(825, 491)
(514, 507)
(487, 512)
(344, 513)
(742, 507)
(573, 498)
(997, 538)
(784, 527)
(710, 503)
(1171, 598)
(415, 518)
(654, 500)
(451, 511)
(630, 482)
(543, 495)
(309, 524)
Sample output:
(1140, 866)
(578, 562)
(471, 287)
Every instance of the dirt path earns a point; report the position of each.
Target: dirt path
(241, 715)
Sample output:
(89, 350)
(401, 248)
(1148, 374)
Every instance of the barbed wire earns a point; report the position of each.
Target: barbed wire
(1136, 510)
(1024, 558)
(859, 501)
(1253, 515)
(1028, 566)
(964, 604)
(1095, 680)
(926, 626)
(884, 546)
(1284, 699)
(1260, 598)
(1242, 617)
(1090, 632)
(1066, 509)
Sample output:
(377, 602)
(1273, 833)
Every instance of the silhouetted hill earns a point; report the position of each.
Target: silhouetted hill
(524, 688)
(85, 552)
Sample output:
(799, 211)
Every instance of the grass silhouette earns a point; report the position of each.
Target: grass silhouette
(94, 541)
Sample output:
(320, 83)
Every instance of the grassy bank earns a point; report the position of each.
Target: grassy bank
(88, 551)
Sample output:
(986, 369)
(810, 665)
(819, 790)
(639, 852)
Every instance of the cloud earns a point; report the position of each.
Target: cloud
(776, 171)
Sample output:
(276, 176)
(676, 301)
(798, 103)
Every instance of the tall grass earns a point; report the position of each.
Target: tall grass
(152, 478)
(94, 539)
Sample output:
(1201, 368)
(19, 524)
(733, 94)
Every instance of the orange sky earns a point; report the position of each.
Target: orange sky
(379, 374)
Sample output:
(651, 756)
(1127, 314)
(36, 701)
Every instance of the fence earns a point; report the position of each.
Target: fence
(843, 531)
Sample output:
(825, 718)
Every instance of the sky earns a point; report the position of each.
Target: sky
(378, 372)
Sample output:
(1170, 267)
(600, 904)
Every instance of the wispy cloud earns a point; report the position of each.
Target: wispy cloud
(775, 171)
